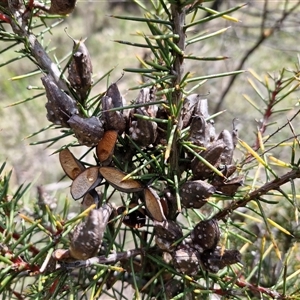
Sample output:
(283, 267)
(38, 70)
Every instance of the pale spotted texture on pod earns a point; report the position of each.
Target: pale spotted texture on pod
(216, 259)
(80, 70)
(106, 146)
(194, 193)
(71, 166)
(85, 182)
(153, 205)
(115, 178)
(143, 132)
(87, 236)
(186, 259)
(212, 154)
(60, 106)
(172, 288)
(206, 235)
(113, 120)
(57, 7)
(166, 233)
(88, 131)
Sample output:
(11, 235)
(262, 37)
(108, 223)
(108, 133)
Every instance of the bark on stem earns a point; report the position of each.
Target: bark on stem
(178, 15)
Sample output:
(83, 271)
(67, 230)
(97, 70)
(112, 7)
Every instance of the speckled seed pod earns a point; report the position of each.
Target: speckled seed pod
(87, 236)
(194, 193)
(166, 233)
(186, 259)
(80, 70)
(60, 106)
(226, 157)
(172, 288)
(199, 132)
(143, 132)
(113, 120)
(188, 108)
(206, 235)
(214, 260)
(88, 131)
(212, 154)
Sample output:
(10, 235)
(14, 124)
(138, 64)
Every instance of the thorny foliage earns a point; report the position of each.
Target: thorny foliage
(193, 221)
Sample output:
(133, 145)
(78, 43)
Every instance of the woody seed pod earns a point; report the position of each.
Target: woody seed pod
(88, 131)
(57, 7)
(186, 259)
(60, 106)
(206, 235)
(194, 193)
(215, 260)
(87, 236)
(80, 70)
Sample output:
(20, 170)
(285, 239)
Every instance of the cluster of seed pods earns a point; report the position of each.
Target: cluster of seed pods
(138, 125)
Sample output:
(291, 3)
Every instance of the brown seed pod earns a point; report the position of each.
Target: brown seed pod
(186, 259)
(88, 131)
(113, 120)
(106, 146)
(80, 70)
(166, 233)
(60, 106)
(199, 132)
(85, 182)
(115, 178)
(142, 131)
(212, 154)
(87, 236)
(216, 259)
(71, 166)
(226, 157)
(153, 205)
(194, 193)
(135, 219)
(57, 7)
(206, 235)
(146, 96)
(188, 108)
(115, 95)
(230, 187)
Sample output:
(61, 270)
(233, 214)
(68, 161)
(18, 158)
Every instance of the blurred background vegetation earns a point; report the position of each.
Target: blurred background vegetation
(264, 41)
(264, 27)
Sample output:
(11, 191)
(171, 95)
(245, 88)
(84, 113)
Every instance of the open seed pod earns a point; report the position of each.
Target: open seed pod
(153, 205)
(115, 178)
(60, 106)
(88, 131)
(135, 219)
(226, 157)
(71, 166)
(85, 182)
(87, 236)
(166, 233)
(206, 235)
(212, 154)
(216, 259)
(194, 193)
(80, 70)
(186, 259)
(106, 146)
